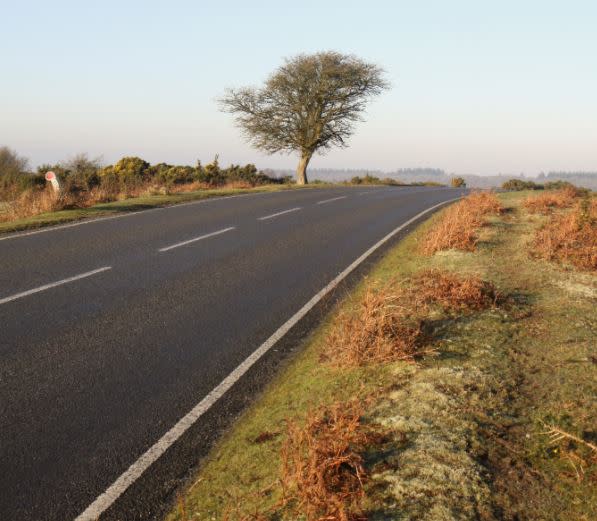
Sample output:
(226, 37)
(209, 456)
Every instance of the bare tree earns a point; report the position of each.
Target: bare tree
(307, 105)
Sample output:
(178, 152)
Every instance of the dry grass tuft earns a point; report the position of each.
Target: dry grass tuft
(453, 292)
(322, 466)
(546, 202)
(570, 237)
(36, 201)
(380, 329)
(457, 229)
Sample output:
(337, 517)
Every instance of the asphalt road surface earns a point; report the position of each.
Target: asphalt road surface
(113, 330)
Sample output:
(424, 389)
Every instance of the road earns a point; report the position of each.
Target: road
(113, 330)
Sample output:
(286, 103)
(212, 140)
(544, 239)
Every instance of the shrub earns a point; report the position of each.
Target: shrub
(561, 185)
(86, 183)
(427, 183)
(367, 179)
(457, 182)
(129, 172)
(519, 185)
(79, 173)
(13, 175)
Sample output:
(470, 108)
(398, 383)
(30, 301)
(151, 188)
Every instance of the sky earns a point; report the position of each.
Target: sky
(478, 87)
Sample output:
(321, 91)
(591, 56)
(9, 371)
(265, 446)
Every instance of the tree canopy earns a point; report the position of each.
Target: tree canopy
(308, 105)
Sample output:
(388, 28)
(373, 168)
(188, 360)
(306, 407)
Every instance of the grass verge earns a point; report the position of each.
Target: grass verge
(134, 204)
(492, 416)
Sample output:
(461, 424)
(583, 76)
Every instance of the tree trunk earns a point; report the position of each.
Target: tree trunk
(301, 169)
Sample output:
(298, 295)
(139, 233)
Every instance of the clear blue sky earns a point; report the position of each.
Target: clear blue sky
(478, 86)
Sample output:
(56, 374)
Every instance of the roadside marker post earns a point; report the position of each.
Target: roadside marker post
(52, 178)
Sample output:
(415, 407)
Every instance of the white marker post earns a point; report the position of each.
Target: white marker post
(52, 178)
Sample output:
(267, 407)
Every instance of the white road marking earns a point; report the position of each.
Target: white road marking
(134, 472)
(71, 225)
(279, 213)
(53, 285)
(330, 200)
(365, 193)
(206, 236)
(215, 199)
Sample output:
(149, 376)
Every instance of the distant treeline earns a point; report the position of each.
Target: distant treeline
(519, 185)
(568, 175)
(437, 175)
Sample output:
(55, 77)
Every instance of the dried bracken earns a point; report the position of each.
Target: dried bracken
(546, 202)
(570, 237)
(322, 465)
(459, 225)
(37, 201)
(452, 292)
(381, 329)
(557, 434)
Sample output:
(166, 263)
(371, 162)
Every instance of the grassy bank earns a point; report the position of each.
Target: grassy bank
(130, 205)
(485, 411)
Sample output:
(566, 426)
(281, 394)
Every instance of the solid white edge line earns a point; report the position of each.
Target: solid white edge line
(53, 285)
(279, 213)
(206, 236)
(127, 478)
(333, 199)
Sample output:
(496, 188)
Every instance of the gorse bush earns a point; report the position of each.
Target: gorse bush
(86, 181)
(519, 185)
(368, 179)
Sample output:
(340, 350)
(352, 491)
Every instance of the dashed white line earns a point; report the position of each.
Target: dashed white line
(200, 238)
(333, 199)
(52, 228)
(365, 193)
(128, 477)
(53, 285)
(279, 213)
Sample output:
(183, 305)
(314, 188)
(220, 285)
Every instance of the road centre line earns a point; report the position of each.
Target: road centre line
(279, 213)
(200, 238)
(330, 200)
(53, 284)
(134, 472)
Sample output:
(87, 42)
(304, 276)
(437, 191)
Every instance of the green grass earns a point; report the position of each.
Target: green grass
(469, 423)
(130, 205)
